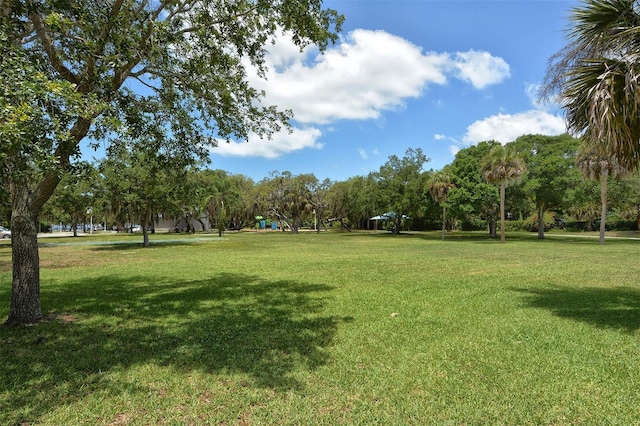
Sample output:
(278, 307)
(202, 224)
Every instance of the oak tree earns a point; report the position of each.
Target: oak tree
(177, 65)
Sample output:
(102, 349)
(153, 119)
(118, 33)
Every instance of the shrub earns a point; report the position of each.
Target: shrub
(577, 225)
(473, 224)
(618, 224)
(515, 225)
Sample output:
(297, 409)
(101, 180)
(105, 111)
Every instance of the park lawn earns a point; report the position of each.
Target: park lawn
(352, 328)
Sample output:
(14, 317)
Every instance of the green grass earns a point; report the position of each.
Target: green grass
(353, 328)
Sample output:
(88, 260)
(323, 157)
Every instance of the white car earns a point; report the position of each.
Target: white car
(4, 233)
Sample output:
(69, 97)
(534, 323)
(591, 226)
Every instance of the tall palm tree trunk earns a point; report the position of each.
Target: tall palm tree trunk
(603, 200)
(503, 188)
(444, 221)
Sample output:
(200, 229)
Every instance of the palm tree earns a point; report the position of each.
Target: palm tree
(502, 165)
(597, 77)
(439, 186)
(598, 165)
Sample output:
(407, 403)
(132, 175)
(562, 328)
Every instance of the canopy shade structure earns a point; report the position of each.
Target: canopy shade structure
(389, 216)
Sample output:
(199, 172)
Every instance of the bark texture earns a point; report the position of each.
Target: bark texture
(25, 293)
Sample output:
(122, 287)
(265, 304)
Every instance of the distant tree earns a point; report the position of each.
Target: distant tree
(318, 200)
(5, 205)
(626, 198)
(143, 183)
(288, 197)
(596, 164)
(439, 187)
(551, 171)
(337, 200)
(583, 202)
(237, 203)
(363, 200)
(256, 199)
(75, 195)
(503, 166)
(473, 200)
(401, 182)
(223, 195)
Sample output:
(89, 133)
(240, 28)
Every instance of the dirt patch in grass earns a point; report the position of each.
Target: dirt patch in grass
(62, 318)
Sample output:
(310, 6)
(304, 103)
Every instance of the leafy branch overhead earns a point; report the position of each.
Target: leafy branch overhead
(190, 55)
(596, 77)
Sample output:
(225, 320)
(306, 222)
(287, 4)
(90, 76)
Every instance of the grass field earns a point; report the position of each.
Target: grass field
(331, 328)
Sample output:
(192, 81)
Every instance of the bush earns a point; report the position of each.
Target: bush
(576, 225)
(618, 224)
(614, 223)
(516, 225)
(473, 224)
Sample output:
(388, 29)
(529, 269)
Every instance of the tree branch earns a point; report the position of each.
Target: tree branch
(102, 38)
(48, 45)
(144, 83)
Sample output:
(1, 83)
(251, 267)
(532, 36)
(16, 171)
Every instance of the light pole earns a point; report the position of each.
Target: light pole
(90, 213)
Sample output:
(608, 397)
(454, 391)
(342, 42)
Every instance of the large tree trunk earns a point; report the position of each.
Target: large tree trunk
(603, 200)
(25, 291)
(492, 228)
(25, 208)
(541, 223)
(145, 233)
(444, 221)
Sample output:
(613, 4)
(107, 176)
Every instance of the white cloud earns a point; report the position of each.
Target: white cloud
(481, 69)
(367, 73)
(442, 137)
(505, 128)
(454, 149)
(532, 90)
(281, 143)
(365, 155)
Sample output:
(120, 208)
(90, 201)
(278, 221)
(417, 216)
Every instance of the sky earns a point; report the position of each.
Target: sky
(440, 75)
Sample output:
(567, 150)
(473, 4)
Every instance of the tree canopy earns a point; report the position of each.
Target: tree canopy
(596, 77)
(551, 171)
(403, 183)
(439, 187)
(502, 165)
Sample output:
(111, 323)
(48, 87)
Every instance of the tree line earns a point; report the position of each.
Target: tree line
(551, 184)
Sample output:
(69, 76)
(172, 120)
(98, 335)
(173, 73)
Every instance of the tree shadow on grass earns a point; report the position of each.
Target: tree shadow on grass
(110, 245)
(482, 237)
(230, 323)
(616, 308)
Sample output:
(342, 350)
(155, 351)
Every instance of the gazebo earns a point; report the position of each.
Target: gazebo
(386, 216)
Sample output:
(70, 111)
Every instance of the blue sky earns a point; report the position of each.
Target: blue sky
(439, 75)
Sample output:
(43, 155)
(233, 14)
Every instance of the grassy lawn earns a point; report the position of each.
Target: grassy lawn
(335, 328)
